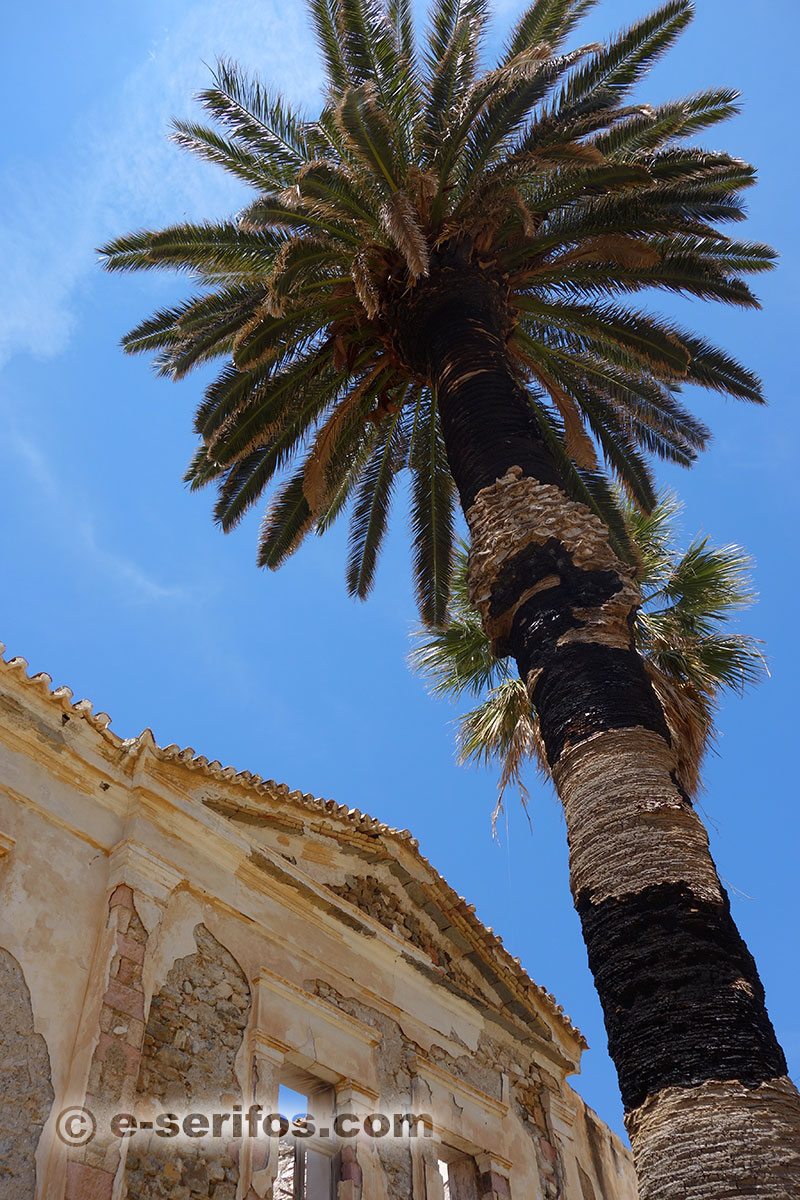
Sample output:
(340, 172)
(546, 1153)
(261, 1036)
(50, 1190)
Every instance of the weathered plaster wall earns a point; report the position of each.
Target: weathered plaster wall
(213, 935)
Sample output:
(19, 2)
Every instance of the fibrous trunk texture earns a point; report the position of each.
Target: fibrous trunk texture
(708, 1107)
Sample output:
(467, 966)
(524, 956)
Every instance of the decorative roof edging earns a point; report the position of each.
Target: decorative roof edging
(492, 943)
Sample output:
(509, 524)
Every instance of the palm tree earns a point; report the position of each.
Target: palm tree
(680, 630)
(432, 277)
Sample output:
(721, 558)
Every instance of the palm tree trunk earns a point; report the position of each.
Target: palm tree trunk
(709, 1108)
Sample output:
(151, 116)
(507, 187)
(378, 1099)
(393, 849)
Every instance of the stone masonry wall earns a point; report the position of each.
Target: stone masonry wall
(367, 893)
(193, 1033)
(26, 1092)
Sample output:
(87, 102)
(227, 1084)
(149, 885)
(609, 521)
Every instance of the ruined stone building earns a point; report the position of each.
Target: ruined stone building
(181, 943)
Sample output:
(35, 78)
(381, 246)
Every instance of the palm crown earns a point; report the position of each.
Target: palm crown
(682, 630)
(540, 174)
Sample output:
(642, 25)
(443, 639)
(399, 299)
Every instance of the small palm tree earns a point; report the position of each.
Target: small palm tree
(434, 276)
(688, 598)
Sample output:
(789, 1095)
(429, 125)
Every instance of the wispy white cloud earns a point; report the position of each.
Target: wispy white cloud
(116, 170)
(123, 571)
(76, 530)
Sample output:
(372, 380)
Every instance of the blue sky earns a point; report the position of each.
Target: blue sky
(116, 582)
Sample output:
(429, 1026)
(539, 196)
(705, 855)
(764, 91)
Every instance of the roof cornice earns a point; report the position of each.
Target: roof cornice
(352, 821)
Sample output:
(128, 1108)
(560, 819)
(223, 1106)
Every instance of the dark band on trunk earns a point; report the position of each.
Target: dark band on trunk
(585, 687)
(588, 688)
(488, 422)
(576, 588)
(453, 331)
(681, 996)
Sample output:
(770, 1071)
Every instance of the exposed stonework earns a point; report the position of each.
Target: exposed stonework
(485, 1069)
(174, 1175)
(283, 1188)
(193, 1034)
(530, 1100)
(263, 937)
(367, 893)
(26, 1092)
(115, 1062)
(396, 1068)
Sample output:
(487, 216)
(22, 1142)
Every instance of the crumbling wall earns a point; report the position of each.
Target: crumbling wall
(368, 894)
(484, 1069)
(115, 1061)
(194, 1030)
(433, 1017)
(395, 1069)
(604, 1166)
(26, 1092)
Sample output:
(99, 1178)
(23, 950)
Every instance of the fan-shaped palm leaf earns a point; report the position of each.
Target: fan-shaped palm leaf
(682, 630)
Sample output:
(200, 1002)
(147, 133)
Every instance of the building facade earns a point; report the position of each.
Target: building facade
(187, 951)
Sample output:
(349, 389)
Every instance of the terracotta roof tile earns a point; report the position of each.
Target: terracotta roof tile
(62, 697)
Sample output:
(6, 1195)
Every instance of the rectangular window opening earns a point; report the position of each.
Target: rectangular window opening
(459, 1174)
(305, 1168)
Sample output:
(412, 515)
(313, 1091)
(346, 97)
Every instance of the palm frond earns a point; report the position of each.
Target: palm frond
(371, 507)
(250, 473)
(456, 657)
(209, 249)
(501, 729)
(715, 369)
(211, 146)
(241, 405)
(653, 342)
(348, 416)
(494, 121)
(451, 76)
(401, 17)
(614, 69)
(324, 15)
(258, 118)
(285, 524)
(433, 500)
(374, 56)
(339, 190)
(281, 212)
(681, 630)
(158, 331)
(344, 476)
(444, 19)
(588, 487)
(402, 225)
(369, 137)
(549, 21)
(653, 127)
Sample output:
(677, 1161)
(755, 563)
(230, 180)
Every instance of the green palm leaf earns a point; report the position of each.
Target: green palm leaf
(433, 500)
(541, 172)
(549, 21)
(285, 524)
(617, 67)
(371, 508)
